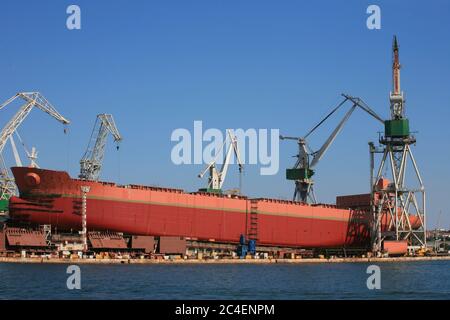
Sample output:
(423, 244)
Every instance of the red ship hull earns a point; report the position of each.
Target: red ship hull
(52, 197)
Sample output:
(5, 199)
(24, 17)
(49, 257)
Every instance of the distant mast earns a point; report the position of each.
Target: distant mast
(396, 96)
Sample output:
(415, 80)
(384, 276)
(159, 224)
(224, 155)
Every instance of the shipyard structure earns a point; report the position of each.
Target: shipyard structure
(48, 209)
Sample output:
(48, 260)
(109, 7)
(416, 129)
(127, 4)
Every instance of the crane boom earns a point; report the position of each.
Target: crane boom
(321, 152)
(233, 148)
(212, 163)
(33, 99)
(91, 163)
(217, 178)
(15, 152)
(360, 103)
(303, 170)
(357, 102)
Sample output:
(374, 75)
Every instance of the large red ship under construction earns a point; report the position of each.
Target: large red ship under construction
(53, 197)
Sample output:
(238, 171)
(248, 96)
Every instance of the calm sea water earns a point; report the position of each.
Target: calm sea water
(411, 280)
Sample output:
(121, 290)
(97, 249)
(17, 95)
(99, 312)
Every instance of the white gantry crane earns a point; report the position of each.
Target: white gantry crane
(91, 163)
(32, 99)
(307, 159)
(217, 178)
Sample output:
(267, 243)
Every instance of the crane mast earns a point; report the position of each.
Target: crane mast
(91, 163)
(396, 96)
(395, 198)
(217, 178)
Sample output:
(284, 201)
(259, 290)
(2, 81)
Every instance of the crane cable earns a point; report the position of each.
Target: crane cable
(324, 119)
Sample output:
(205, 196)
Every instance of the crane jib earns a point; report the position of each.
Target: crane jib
(91, 162)
(303, 169)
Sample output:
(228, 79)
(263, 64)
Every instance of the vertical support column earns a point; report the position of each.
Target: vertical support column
(372, 164)
(47, 229)
(84, 191)
(374, 217)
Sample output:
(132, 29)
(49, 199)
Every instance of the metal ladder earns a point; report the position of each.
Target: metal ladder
(253, 229)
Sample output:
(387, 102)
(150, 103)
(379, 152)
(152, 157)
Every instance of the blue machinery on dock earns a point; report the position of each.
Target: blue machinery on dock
(244, 248)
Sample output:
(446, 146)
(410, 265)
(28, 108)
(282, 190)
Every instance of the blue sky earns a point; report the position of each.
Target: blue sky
(160, 65)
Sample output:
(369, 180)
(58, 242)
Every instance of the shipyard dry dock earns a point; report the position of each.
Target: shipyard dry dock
(61, 216)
